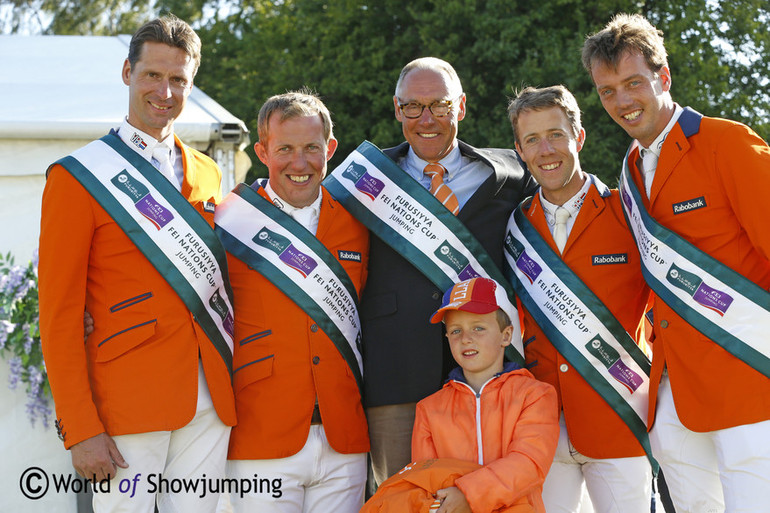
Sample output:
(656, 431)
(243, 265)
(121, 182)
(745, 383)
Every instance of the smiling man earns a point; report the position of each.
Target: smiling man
(149, 392)
(695, 190)
(297, 263)
(573, 230)
(404, 357)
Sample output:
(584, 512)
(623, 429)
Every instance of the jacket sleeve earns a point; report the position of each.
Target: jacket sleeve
(743, 164)
(522, 470)
(423, 447)
(66, 230)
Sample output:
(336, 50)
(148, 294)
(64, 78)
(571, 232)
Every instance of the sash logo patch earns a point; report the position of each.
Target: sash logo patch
(616, 258)
(686, 206)
(353, 256)
(209, 206)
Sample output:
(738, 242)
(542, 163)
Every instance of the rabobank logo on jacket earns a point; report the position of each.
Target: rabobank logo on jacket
(686, 206)
(616, 258)
(354, 256)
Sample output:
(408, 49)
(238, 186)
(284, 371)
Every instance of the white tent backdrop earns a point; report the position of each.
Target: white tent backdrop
(57, 93)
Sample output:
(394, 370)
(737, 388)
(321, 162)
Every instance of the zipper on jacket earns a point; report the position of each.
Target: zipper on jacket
(479, 437)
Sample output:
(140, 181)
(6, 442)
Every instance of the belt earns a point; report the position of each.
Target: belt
(316, 418)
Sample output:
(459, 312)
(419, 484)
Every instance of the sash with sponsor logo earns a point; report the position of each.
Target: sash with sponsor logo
(163, 225)
(579, 325)
(262, 236)
(405, 215)
(723, 305)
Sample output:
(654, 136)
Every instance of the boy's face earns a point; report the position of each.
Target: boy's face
(477, 343)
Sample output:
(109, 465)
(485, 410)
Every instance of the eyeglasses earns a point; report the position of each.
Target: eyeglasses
(413, 110)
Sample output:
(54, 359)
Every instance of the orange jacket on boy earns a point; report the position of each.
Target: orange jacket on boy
(519, 430)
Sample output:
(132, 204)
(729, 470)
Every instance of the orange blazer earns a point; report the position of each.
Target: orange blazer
(600, 229)
(283, 360)
(138, 370)
(727, 165)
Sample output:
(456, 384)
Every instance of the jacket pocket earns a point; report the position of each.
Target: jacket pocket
(252, 371)
(130, 302)
(124, 340)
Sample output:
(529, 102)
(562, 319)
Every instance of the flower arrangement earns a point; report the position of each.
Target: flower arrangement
(20, 335)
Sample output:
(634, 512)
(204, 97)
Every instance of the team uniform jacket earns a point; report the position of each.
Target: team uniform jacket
(283, 360)
(599, 231)
(138, 370)
(399, 299)
(727, 166)
(518, 433)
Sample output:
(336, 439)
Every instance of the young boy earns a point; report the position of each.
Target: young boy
(491, 412)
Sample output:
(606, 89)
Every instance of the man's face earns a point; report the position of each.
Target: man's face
(546, 143)
(637, 98)
(296, 154)
(158, 86)
(431, 138)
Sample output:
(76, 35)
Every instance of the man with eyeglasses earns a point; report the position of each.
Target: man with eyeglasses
(405, 359)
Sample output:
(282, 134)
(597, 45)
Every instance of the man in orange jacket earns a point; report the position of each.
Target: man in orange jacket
(297, 263)
(694, 189)
(127, 233)
(597, 445)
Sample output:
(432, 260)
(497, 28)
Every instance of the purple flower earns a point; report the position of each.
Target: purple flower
(35, 380)
(15, 376)
(38, 406)
(12, 281)
(27, 339)
(6, 328)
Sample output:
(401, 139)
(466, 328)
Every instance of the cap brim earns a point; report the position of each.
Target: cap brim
(471, 306)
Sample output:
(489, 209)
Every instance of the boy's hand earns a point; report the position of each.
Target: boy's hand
(452, 501)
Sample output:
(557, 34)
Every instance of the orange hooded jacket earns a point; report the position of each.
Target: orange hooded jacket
(510, 428)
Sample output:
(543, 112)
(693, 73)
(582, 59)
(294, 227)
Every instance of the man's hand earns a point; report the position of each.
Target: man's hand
(452, 501)
(96, 457)
(88, 325)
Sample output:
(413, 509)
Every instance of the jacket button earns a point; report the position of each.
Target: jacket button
(664, 323)
(564, 367)
(436, 295)
(316, 360)
(314, 328)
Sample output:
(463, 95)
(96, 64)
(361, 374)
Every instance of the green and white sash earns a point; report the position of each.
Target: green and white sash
(168, 231)
(262, 236)
(579, 325)
(405, 215)
(723, 305)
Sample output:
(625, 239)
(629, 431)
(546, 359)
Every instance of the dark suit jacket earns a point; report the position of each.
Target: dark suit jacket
(405, 357)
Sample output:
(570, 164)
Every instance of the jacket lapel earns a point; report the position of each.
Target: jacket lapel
(674, 148)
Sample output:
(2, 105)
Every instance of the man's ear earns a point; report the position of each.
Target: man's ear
(398, 113)
(261, 152)
(331, 147)
(126, 73)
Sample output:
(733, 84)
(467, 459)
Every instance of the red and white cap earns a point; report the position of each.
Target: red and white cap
(477, 295)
